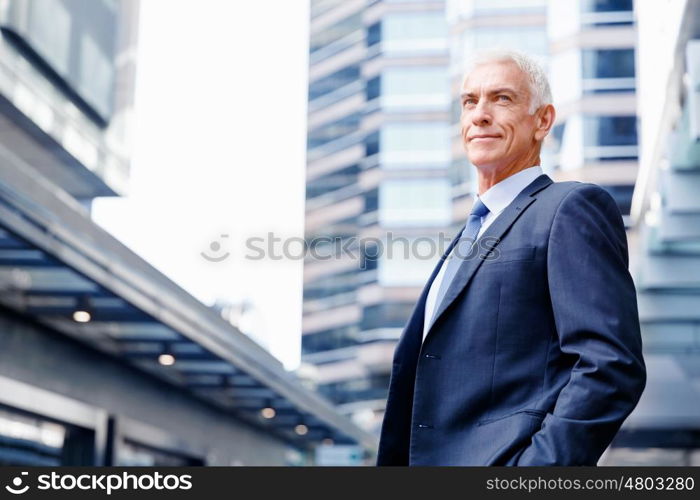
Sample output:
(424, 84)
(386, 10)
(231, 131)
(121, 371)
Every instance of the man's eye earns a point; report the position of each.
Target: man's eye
(469, 101)
(504, 97)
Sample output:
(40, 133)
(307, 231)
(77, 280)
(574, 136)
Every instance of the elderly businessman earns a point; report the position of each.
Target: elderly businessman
(526, 351)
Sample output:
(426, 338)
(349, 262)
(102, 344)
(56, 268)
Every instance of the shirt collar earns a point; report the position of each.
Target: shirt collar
(501, 194)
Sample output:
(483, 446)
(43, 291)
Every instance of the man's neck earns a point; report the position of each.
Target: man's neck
(489, 177)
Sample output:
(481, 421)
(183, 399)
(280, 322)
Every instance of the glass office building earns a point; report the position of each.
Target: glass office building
(378, 163)
(592, 72)
(67, 92)
(665, 252)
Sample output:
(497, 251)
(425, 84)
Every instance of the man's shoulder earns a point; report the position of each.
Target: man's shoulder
(574, 198)
(575, 191)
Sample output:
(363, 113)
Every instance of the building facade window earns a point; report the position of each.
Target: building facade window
(414, 145)
(610, 138)
(318, 7)
(331, 34)
(610, 130)
(96, 73)
(409, 261)
(332, 182)
(330, 285)
(608, 63)
(74, 43)
(49, 31)
(389, 315)
(332, 131)
(531, 39)
(374, 34)
(414, 33)
(328, 340)
(457, 9)
(373, 88)
(414, 88)
(415, 202)
(608, 70)
(328, 84)
(606, 5)
(606, 12)
(32, 440)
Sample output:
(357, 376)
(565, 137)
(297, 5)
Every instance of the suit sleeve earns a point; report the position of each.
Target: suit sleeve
(595, 312)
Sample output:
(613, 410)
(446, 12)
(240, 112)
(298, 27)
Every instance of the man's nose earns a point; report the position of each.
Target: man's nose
(481, 114)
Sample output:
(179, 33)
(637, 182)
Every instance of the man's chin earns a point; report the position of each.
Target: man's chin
(484, 161)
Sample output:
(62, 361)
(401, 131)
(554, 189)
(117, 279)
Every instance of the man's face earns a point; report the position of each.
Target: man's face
(497, 130)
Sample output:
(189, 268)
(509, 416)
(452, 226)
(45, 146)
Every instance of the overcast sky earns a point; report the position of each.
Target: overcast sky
(219, 149)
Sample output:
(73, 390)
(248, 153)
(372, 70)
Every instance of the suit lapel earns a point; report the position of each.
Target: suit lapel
(437, 267)
(494, 232)
(410, 342)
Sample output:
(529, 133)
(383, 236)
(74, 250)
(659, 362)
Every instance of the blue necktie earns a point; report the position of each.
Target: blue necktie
(462, 249)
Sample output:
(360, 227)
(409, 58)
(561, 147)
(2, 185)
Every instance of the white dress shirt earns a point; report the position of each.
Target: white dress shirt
(496, 199)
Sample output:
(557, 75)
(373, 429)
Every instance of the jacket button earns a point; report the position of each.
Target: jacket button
(425, 426)
(432, 356)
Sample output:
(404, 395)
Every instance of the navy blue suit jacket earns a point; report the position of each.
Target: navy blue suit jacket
(535, 355)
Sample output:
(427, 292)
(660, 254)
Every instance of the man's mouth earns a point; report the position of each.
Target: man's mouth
(483, 137)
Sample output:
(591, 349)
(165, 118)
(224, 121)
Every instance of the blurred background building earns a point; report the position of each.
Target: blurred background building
(378, 161)
(665, 250)
(592, 73)
(385, 156)
(103, 359)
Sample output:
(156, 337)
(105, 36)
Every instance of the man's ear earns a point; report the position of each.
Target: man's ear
(545, 119)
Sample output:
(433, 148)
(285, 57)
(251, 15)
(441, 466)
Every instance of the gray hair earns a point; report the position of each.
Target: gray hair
(540, 92)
